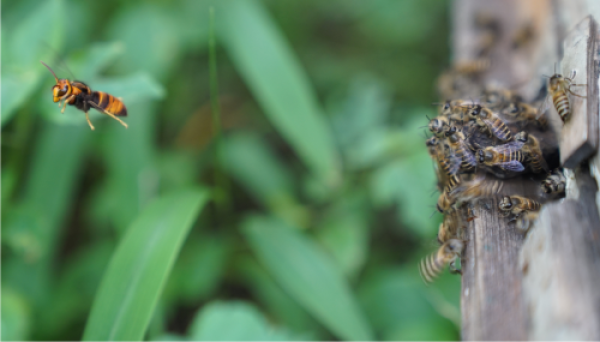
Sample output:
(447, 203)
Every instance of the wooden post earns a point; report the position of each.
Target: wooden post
(543, 286)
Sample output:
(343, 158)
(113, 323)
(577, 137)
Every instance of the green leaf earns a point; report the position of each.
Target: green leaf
(16, 316)
(396, 302)
(139, 267)
(24, 47)
(308, 275)
(268, 65)
(344, 232)
(206, 253)
(233, 321)
(149, 33)
(16, 88)
(253, 163)
(277, 302)
(46, 198)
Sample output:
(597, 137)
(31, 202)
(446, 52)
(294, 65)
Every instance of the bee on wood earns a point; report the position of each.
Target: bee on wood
(524, 37)
(433, 146)
(475, 189)
(489, 26)
(78, 94)
(496, 98)
(558, 87)
(431, 266)
(445, 202)
(473, 67)
(448, 229)
(459, 152)
(531, 146)
(455, 110)
(525, 221)
(489, 122)
(439, 125)
(508, 157)
(555, 183)
(516, 205)
(523, 112)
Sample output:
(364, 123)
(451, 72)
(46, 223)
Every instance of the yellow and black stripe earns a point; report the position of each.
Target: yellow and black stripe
(500, 130)
(109, 103)
(562, 105)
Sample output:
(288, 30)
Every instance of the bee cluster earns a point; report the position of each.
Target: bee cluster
(477, 144)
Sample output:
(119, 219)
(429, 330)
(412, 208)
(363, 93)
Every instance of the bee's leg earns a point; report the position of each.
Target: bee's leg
(116, 118)
(65, 103)
(87, 117)
(453, 268)
(572, 93)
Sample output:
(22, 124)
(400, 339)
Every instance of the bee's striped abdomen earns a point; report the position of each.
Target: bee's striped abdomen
(561, 103)
(468, 163)
(500, 130)
(109, 103)
(430, 268)
(531, 205)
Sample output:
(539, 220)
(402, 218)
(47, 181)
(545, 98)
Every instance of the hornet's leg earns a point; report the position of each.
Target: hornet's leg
(87, 117)
(116, 118)
(65, 103)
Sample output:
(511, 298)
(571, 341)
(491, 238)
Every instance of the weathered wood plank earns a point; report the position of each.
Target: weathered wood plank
(560, 261)
(579, 136)
(491, 302)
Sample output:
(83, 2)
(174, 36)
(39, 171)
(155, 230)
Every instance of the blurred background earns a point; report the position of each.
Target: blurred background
(312, 150)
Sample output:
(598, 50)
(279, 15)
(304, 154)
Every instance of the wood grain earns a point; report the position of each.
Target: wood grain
(560, 262)
(491, 300)
(579, 136)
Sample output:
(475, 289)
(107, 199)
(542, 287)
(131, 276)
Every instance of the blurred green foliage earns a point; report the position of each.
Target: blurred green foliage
(303, 220)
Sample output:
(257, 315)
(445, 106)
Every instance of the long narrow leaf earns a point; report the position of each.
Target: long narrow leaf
(308, 275)
(139, 268)
(272, 72)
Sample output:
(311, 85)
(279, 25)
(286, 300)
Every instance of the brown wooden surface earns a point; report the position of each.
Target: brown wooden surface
(491, 300)
(560, 262)
(579, 136)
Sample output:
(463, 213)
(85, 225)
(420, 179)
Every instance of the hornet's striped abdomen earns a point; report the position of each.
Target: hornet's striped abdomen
(109, 103)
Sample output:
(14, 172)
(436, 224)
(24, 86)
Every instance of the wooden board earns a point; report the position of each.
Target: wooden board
(560, 262)
(579, 136)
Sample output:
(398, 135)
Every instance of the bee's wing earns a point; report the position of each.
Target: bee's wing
(497, 132)
(509, 147)
(544, 106)
(468, 155)
(452, 161)
(512, 166)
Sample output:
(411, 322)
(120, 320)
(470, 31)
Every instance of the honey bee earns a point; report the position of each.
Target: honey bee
(524, 221)
(555, 183)
(489, 26)
(496, 98)
(445, 202)
(523, 112)
(489, 122)
(431, 266)
(439, 125)
(455, 110)
(459, 151)
(531, 147)
(472, 67)
(78, 94)
(448, 228)
(558, 87)
(508, 157)
(477, 188)
(524, 36)
(516, 205)
(433, 146)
